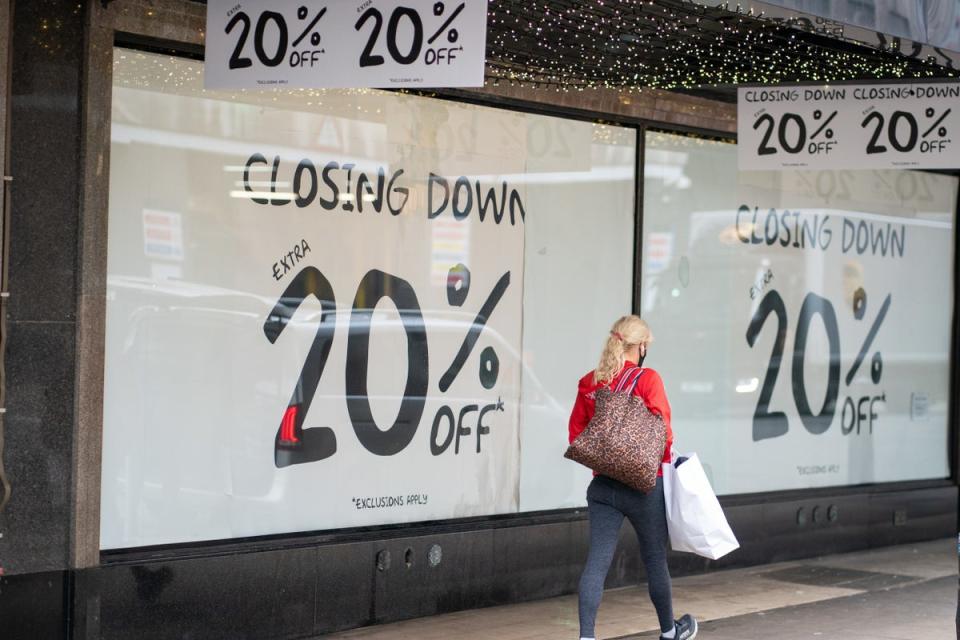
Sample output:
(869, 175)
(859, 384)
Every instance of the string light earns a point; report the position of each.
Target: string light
(628, 45)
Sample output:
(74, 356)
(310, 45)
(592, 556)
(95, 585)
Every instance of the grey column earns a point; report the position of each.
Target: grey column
(48, 41)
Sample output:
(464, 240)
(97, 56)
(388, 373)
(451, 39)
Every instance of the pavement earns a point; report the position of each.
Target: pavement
(894, 593)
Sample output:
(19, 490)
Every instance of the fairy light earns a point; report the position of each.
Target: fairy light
(629, 45)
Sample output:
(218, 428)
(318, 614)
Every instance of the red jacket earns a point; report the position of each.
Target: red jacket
(649, 388)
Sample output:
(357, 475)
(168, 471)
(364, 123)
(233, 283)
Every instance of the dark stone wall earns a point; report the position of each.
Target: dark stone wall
(45, 147)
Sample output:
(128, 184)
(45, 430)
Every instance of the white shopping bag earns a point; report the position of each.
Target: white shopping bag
(695, 519)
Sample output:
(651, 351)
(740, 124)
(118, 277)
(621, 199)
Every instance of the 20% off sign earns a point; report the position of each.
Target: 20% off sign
(297, 444)
(368, 43)
(857, 412)
(891, 133)
(895, 126)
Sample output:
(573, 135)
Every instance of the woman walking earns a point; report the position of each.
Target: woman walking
(609, 501)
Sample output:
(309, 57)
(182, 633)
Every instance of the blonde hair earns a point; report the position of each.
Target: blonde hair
(624, 334)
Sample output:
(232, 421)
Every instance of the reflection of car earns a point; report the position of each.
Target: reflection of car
(718, 383)
(711, 324)
(172, 343)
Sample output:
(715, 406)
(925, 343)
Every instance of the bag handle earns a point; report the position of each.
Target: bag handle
(623, 385)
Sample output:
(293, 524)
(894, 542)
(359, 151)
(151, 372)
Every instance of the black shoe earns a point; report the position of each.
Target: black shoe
(685, 628)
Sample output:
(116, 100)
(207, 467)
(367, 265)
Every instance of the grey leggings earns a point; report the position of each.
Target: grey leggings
(608, 502)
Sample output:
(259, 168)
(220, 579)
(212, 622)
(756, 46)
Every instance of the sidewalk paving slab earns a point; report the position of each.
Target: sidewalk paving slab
(906, 592)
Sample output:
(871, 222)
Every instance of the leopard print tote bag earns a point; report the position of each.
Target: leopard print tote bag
(624, 440)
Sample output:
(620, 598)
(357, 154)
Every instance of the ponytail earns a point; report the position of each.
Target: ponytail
(625, 333)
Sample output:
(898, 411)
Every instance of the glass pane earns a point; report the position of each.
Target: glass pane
(802, 318)
(317, 303)
(579, 279)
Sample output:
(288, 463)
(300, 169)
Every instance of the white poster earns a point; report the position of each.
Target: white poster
(877, 126)
(317, 302)
(802, 318)
(254, 44)
(584, 227)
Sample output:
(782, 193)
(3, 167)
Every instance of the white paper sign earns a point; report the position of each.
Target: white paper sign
(880, 126)
(256, 44)
(341, 336)
(803, 324)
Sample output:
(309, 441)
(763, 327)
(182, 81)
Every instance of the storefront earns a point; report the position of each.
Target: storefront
(327, 342)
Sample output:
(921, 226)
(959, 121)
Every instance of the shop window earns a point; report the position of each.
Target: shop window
(332, 309)
(803, 318)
